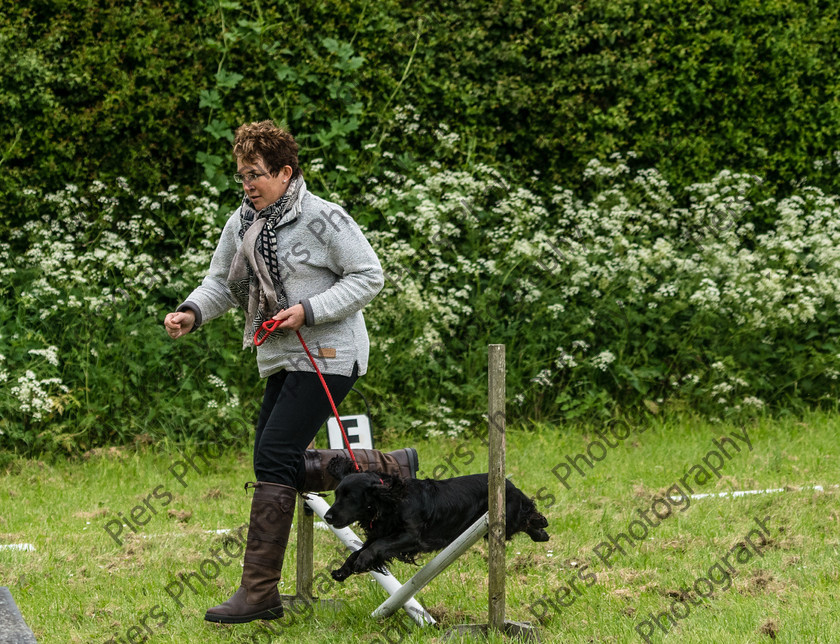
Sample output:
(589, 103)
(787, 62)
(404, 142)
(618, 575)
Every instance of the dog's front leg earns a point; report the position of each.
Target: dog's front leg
(347, 568)
(380, 551)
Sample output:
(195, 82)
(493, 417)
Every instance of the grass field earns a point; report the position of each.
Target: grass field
(704, 560)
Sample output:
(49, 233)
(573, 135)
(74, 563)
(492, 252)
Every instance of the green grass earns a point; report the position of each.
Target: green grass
(80, 586)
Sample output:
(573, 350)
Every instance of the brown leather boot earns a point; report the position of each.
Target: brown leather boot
(403, 463)
(272, 509)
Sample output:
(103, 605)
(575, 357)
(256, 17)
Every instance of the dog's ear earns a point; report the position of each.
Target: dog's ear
(388, 489)
(379, 486)
(339, 467)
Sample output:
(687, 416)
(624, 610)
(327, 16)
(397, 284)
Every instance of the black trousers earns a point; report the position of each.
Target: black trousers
(294, 408)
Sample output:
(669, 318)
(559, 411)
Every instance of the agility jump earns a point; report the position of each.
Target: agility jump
(492, 522)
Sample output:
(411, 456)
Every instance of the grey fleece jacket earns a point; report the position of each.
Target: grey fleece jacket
(327, 266)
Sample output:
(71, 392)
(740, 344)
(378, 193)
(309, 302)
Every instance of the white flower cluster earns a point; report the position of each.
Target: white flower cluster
(231, 403)
(33, 395)
(92, 251)
(564, 359)
(543, 378)
(445, 137)
(441, 422)
(83, 245)
(446, 237)
(316, 165)
(50, 354)
(603, 360)
(407, 117)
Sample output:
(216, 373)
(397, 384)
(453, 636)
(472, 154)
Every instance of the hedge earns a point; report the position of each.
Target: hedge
(151, 90)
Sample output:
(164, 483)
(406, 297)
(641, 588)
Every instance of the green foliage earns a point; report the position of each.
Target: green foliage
(306, 86)
(608, 305)
(85, 360)
(153, 91)
(473, 142)
(692, 87)
(96, 88)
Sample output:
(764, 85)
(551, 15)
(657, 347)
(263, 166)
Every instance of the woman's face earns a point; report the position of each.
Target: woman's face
(264, 190)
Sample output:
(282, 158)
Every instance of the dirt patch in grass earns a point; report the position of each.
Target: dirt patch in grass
(449, 617)
(528, 563)
(760, 582)
(105, 452)
(728, 480)
(92, 515)
(181, 516)
(679, 594)
(769, 628)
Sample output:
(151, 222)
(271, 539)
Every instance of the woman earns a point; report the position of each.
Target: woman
(288, 255)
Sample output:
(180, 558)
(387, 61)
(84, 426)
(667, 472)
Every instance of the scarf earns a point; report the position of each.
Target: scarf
(254, 278)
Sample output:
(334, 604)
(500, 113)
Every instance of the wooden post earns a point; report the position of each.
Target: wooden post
(496, 491)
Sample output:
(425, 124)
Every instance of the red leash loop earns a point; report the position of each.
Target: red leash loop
(267, 327)
(271, 325)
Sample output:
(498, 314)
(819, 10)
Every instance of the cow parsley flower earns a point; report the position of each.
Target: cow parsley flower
(603, 360)
(50, 354)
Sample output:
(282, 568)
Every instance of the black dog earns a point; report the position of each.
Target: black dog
(406, 517)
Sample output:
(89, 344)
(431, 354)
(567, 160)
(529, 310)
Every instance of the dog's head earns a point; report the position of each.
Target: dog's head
(357, 498)
(361, 496)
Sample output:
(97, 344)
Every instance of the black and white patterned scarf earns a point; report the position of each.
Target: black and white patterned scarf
(254, 278)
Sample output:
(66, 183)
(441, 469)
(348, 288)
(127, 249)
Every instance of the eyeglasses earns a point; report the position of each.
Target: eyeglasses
(248, 178)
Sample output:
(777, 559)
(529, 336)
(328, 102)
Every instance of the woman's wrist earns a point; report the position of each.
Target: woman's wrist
(189, 307)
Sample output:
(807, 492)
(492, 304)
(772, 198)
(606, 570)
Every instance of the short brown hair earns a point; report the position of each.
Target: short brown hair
(276, 146)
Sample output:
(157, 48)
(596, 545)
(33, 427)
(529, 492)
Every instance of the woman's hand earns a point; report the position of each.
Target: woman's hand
(292, 318)
(178, 324)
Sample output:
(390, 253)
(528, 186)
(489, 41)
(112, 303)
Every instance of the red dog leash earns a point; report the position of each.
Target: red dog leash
(270, 326)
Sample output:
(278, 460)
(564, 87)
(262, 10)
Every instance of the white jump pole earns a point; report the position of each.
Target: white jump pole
(433, 568)
(387, 581)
